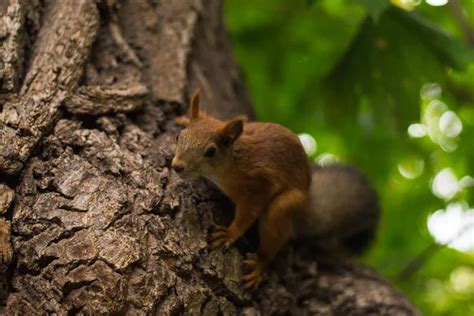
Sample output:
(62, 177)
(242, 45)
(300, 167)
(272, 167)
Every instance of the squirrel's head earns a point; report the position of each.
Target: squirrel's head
(206, 144)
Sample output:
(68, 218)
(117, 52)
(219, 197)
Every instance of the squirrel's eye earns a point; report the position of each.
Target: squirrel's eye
(210, 152)
(177, 136)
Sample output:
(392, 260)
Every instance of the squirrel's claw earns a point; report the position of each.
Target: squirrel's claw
(252, 260)
(253, 279)
(219, 244)
(220, 238)
(218, 235)
(218, 228)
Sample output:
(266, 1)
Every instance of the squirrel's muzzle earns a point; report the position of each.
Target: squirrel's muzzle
(177, 165)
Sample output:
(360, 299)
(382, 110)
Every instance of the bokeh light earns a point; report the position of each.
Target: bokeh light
(411, 168)
(442, 125)
(450, 124)
(445, 184)
(466, 182)
(453, 226)
(326, 159)
(406, 4)
(309, 143)
(430, 91)
(462, 279)
(417, 130)
(437, 3)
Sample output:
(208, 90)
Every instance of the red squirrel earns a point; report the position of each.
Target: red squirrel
(264, 170)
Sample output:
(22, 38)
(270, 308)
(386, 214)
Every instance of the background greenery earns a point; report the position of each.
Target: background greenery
(387, 86)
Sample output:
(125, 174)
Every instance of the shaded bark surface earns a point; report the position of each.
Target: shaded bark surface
(100, 224)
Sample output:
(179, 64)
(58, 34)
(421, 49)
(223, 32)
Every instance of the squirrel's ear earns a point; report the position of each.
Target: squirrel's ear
(194, 105)
(230, 130)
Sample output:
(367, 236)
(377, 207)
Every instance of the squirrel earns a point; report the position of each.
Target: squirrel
(264, 170)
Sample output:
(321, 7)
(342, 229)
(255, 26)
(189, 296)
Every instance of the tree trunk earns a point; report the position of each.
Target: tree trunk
(89, 93)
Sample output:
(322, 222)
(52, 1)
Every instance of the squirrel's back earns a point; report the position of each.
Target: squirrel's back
(274, 152)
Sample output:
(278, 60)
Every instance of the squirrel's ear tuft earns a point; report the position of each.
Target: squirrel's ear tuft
(230, 130)
(194, 105)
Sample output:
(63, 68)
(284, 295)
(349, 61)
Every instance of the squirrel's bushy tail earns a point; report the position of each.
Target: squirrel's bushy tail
(344, 208)
(357, 243)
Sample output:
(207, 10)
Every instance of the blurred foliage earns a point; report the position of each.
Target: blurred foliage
(387, 86)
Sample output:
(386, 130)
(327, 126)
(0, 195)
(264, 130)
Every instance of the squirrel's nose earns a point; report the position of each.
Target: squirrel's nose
(178, 168)
(177, 165)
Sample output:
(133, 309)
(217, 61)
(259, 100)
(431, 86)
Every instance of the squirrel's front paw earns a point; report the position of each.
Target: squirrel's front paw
(254, 278)
(220, 237)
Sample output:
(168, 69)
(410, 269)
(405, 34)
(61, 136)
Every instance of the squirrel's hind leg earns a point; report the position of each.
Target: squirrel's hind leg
(275, 229)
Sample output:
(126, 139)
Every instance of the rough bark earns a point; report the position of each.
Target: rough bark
(60, 51)
(12, 20)
(100, 224)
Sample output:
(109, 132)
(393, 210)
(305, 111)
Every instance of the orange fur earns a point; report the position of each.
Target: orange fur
(262, 167)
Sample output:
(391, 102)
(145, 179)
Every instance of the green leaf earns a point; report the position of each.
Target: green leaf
(388, 63)
(383, 70)
(374, 7)
(452, 51)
